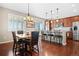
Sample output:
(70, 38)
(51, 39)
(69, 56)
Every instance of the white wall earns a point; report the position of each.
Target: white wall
(6, 35)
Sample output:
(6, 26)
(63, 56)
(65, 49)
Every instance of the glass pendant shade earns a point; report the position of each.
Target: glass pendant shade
(57, 20)
(28, 18)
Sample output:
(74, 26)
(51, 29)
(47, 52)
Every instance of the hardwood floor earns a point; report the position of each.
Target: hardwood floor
(59, 50)
(47, 49)
(6, 49)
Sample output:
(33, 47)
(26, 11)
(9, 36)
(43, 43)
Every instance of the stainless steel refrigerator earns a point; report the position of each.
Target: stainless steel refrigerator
(75, 29)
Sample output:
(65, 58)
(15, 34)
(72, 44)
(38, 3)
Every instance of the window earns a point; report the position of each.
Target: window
(39, 26)
(15, 22)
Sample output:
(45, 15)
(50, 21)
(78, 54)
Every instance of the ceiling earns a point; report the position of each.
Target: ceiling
(40, 9)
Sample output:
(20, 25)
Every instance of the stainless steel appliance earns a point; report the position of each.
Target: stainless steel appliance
(75, 29)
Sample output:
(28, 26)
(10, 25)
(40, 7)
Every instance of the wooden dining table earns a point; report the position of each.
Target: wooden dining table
(23, 36)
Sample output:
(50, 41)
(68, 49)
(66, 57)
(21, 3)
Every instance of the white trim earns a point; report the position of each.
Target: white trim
(5, 42)
(64, 44)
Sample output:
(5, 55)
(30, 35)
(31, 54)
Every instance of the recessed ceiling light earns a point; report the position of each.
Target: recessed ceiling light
(73, 5)
(74, 10)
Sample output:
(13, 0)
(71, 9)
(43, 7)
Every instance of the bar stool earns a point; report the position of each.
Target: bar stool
(58, 37)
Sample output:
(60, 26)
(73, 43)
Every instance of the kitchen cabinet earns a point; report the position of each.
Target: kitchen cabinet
(69, 35)
(68, 22)
(76, 18)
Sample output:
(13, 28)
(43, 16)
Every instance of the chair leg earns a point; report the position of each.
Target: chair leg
(13, 46)
(14, 49)
(38, 49)
(30, 48)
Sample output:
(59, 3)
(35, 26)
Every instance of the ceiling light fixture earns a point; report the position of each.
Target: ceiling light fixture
(46, 15)
(57, 15)
(51, 16)
(29, 18)
(73, 5)
(74, 10)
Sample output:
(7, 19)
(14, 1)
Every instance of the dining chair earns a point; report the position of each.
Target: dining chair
(33, 42)
(19, 32)
(18, 44)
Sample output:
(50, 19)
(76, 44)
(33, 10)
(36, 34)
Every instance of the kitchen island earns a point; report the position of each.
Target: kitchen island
(58, 35)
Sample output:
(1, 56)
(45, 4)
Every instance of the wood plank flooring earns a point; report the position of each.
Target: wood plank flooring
(47, 49)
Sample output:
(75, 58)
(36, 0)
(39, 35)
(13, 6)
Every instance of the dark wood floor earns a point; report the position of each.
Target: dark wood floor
(47, 49)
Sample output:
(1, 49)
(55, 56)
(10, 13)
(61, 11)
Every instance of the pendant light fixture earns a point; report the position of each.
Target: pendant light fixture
(57, 14)
(46, 18)
(28, 17)
(46, 22)
(51, 16)
(46, 15)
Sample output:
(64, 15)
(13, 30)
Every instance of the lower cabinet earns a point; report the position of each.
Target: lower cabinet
(69, 35)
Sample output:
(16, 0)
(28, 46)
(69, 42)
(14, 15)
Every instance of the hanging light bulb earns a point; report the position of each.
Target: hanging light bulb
(57, 20)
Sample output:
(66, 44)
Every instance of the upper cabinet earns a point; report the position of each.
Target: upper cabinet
(68, 21)
(76, 18)
(61, 21)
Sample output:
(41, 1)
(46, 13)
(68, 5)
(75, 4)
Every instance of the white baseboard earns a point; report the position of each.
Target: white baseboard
(5, 42)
